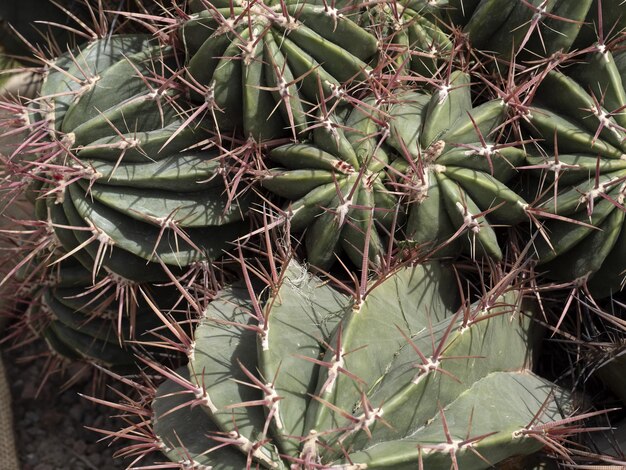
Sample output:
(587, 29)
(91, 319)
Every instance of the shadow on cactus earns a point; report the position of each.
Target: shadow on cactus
(115, 160)
(97, 321)
(312, 379)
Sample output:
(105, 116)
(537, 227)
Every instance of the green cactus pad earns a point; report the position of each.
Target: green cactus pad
(395, 381)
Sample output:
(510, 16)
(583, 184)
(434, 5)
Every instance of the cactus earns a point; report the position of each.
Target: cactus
(413, 36)
(260, 70)
(583, 237)
(436, 147)
(543, 27)
(123, 168)
(95, 321)
(313, 379)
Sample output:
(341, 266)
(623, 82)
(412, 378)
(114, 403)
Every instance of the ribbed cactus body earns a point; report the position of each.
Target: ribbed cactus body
(456, 172)
(336, 187)
(394, 381)
(129, 178)
(584, 176)
(81, 321)
(507, 27)
(261, 69)
(435, 148)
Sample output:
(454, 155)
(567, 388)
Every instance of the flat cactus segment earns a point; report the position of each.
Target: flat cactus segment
(332, 183)
(609, 279)
(295, 184)
(128, 163)
(558, 34)
(431, 225)
(584, 182)
(410, 145)
(577, 172)
(487, 191)
(140, 147)
(457, 362)
(572, 137)
(120, 261)
(224, 350)
(561, 92)
(284, 86)
(589, 254)
(99, 329)
(301, 319)
(84, 65)
(140, 113)
(324, 235)
(347, 34)
(422, 296)
(55, 343)
(126, 77)
(420, 41)
(514, 399)
(601, 77)
(259, 118)
(484, 118)
(487, 18)
(512, 34)
(149, 242)
(358, 235)
(65, 236)
(304, 156)
(91, 349)
(447, 105)
(408, 116)
(464, 212)
(521, 28)
(332, 381)
(182, 430)
(570, 234)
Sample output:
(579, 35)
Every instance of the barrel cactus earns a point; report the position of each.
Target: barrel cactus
(122, 168)
(261, 68)
(101, 324)
(412, 35)
(397, 379)
(578, 115)
(437, 149)
(544, 27)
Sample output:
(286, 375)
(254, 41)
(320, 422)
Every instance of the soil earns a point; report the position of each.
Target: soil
(50, 419)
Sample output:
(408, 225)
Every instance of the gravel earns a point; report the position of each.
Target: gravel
(50, 420)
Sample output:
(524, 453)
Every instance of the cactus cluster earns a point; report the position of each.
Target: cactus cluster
(202, 141)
